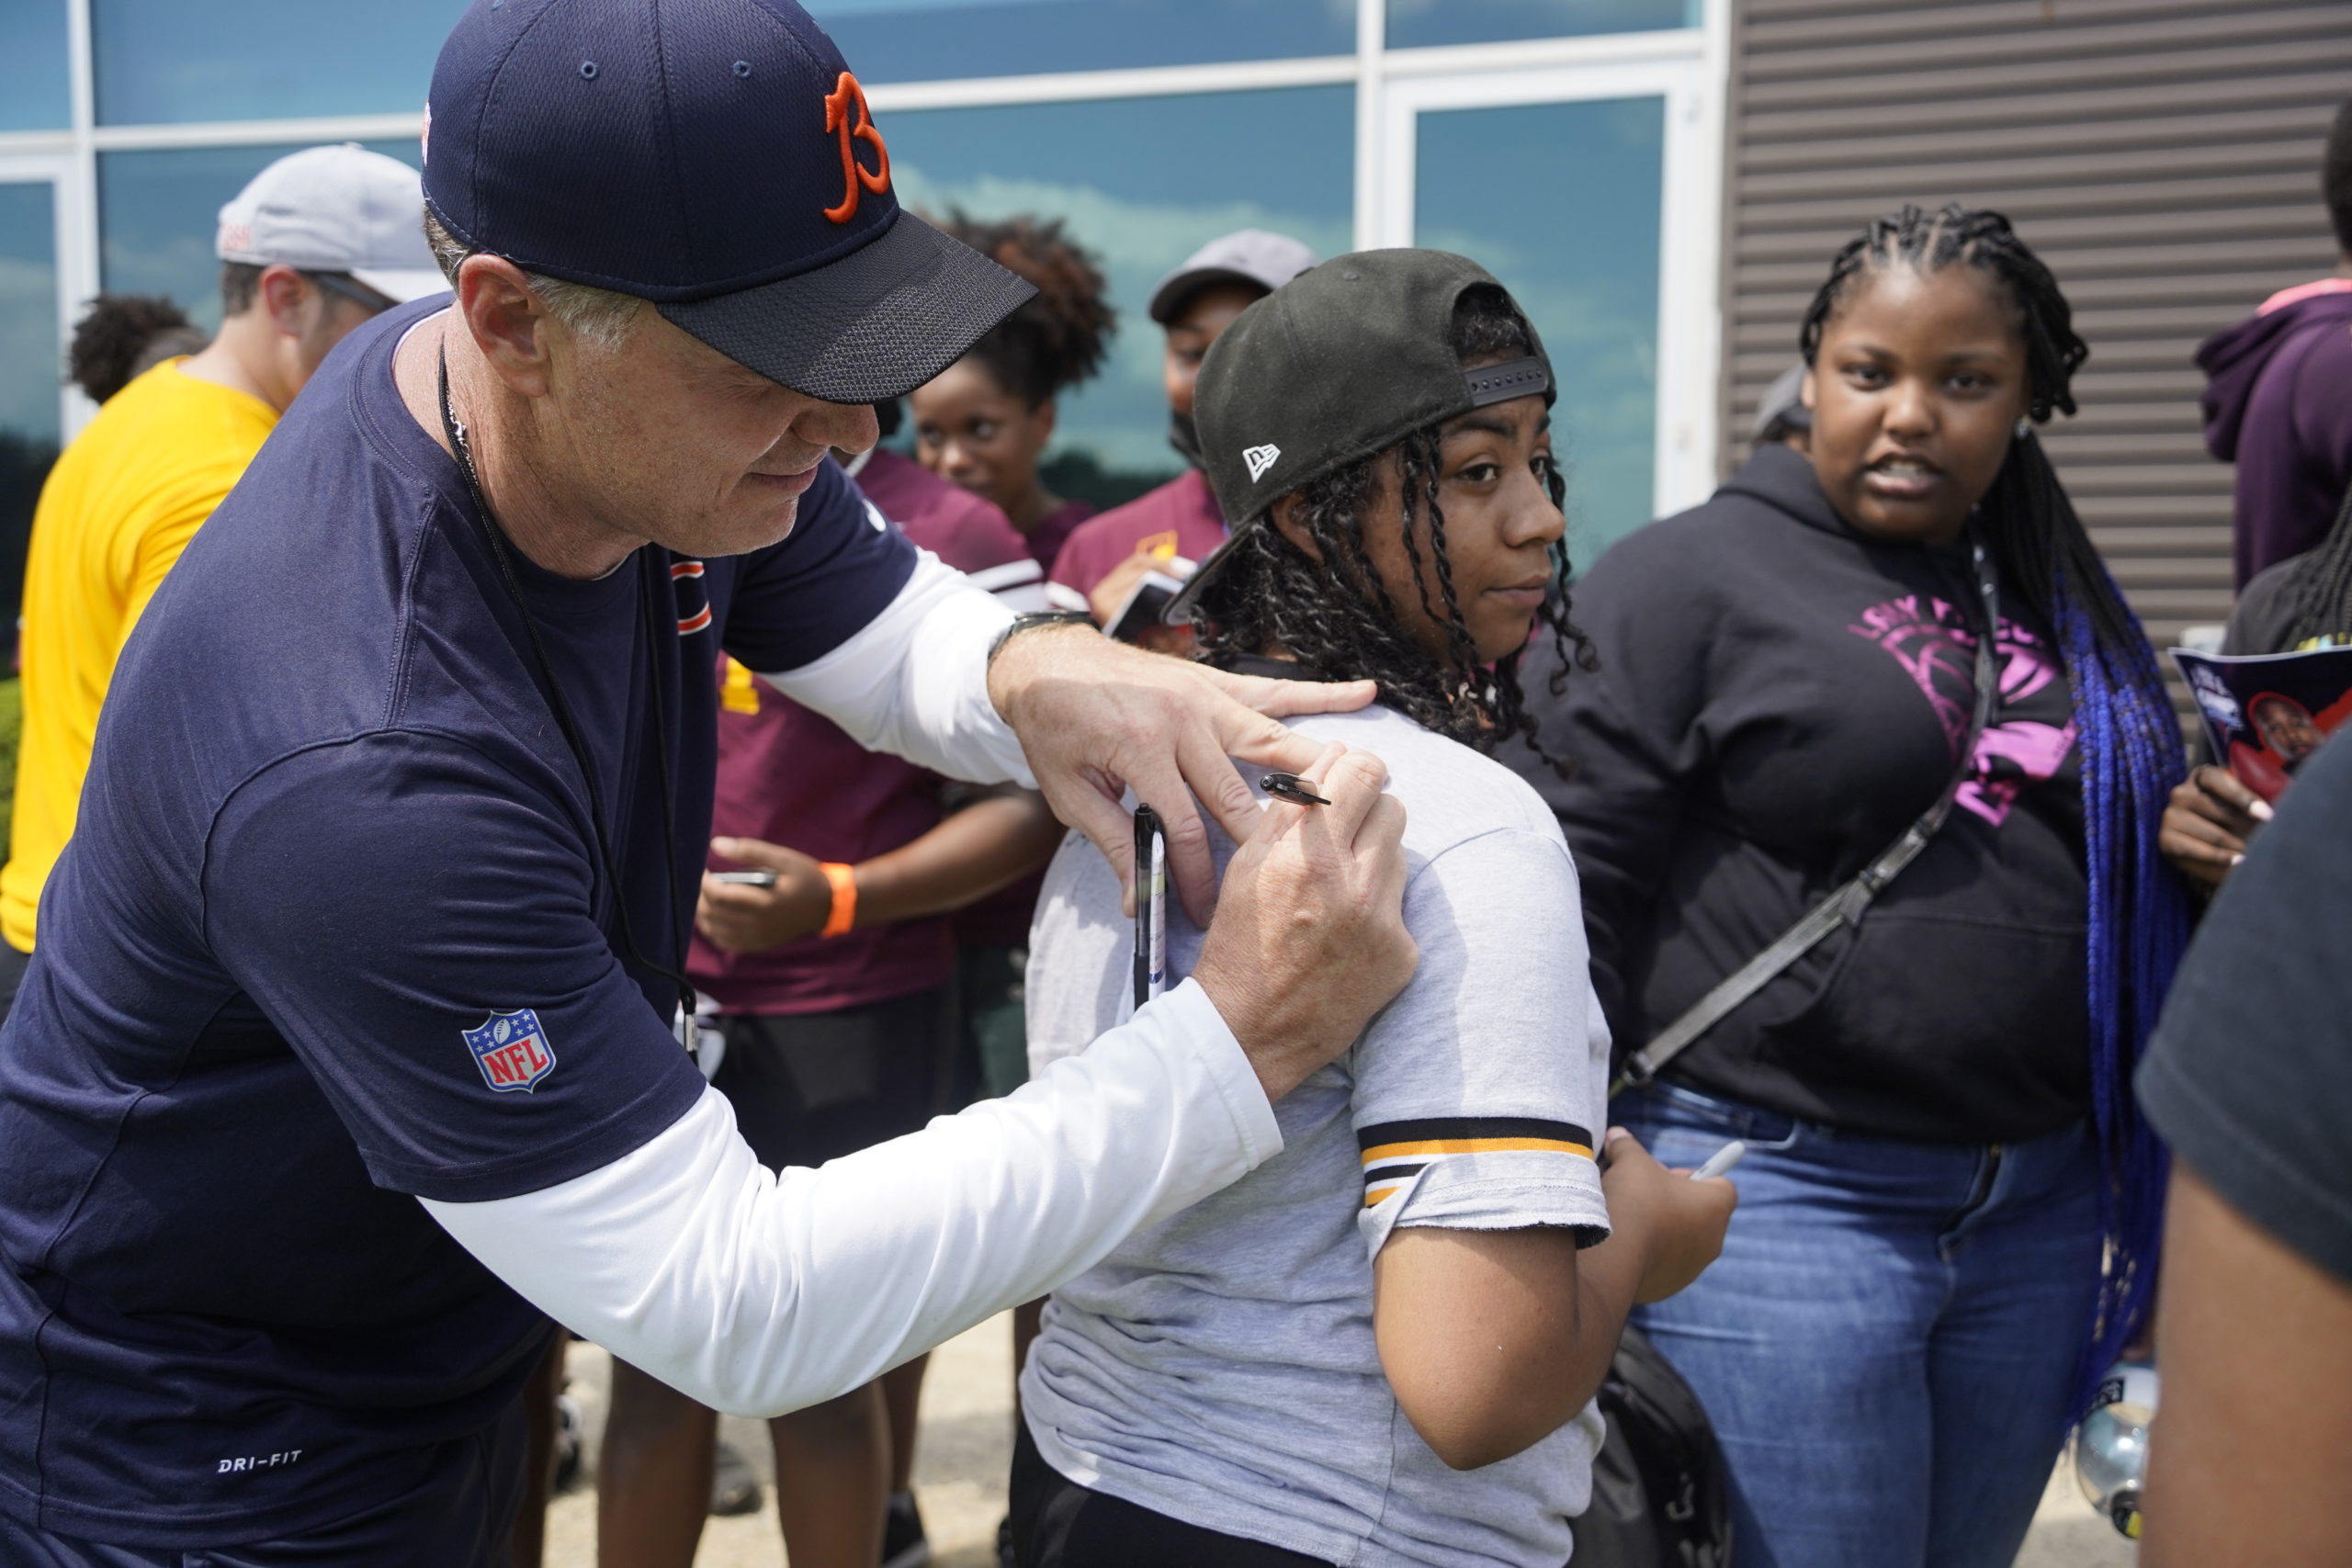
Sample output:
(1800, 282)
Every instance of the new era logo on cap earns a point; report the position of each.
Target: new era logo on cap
(1257, 459)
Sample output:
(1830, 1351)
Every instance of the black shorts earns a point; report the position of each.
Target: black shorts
(1057, 1523)
(811, 1087)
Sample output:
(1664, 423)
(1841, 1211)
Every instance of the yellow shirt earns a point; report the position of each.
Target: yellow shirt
(121, 505)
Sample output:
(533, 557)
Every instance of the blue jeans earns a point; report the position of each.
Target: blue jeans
(1887, 1345)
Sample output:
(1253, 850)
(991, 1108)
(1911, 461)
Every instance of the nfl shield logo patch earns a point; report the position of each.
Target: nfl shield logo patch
(512, 1050)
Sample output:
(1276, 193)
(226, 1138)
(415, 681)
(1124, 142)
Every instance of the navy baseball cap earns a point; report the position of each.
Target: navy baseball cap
(717, 158)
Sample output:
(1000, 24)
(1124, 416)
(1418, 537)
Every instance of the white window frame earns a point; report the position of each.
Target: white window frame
(1689, 66)
(1679, 67)
(77, 267)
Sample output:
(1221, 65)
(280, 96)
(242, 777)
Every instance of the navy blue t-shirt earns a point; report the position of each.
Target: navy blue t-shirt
(333, 931)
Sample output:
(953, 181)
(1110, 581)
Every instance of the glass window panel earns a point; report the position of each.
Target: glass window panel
(34, 92)
(921, 41)
(31, 369)
(1561, 202)
(158, 212)
(163, 62)
(1413, 23)
(1143, 183)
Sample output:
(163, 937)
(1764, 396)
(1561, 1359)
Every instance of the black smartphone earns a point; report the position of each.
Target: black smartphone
(1152, 906)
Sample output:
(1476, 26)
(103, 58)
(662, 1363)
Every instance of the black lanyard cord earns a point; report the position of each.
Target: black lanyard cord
(561, 708)
(660, 615)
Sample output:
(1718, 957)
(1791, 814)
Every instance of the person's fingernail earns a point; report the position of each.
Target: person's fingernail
(2237, 859)
(2260, 811)
(727, 846)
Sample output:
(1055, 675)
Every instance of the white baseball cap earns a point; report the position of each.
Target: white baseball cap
(336, 210)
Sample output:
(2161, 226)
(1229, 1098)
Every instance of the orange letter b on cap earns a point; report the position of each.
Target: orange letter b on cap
(847, 116)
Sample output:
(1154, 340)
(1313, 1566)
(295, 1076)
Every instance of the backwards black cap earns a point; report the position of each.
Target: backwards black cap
(716, 157)
(1344, 360)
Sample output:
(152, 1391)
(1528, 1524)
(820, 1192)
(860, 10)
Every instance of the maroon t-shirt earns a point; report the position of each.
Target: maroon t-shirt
(1181, 518)
(1053, 530)
(791, 777)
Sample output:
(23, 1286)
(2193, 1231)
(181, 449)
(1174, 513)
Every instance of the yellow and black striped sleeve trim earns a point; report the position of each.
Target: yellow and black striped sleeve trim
(1393, 1153)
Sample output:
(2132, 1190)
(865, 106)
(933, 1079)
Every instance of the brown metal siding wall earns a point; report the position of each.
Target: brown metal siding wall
(2162, 156)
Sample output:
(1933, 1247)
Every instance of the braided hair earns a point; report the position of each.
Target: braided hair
(2323, 586)
(1058, 336)
(2138, 914)
(1337, 620)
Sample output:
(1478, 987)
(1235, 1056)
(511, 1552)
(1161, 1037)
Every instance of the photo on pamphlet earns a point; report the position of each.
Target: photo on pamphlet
(2265, 714)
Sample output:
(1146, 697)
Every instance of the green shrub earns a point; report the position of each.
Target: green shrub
(12, 715)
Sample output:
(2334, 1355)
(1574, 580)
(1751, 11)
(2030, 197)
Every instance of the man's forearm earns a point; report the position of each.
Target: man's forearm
(914, 681)
(759, 1294)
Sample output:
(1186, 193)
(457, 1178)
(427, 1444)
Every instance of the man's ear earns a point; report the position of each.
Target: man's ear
(287, 297)
(1287, 520)
(507, 321)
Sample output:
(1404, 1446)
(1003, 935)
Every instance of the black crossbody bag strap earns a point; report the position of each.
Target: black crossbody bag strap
(1846, 904)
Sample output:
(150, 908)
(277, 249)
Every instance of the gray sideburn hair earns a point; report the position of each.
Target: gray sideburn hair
(597, 315)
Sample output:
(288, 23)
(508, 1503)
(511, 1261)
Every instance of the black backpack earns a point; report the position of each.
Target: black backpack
(1660, 1497)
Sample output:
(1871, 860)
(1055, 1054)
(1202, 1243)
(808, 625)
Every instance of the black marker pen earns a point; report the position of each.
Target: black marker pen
(1289, 786)
(1152, 906)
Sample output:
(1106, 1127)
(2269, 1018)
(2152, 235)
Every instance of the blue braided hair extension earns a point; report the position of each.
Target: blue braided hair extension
(2131, 758)
(2131, 751)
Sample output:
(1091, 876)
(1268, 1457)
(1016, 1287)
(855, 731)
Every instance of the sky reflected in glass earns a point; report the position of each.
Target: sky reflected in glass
(1561, 203)
(33, 95)
(1416, 23)
(921, 41)
(168, 62)
(1142, 183)
(158, 211)
(31, 369)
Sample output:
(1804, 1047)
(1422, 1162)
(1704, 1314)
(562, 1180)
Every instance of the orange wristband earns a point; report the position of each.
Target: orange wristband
(845, 915)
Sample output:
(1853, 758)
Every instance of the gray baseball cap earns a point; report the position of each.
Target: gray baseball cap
(339, 208)
(1246, 256)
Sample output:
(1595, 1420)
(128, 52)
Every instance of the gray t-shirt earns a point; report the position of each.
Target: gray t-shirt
(1220, 1367)
(2249, 1077)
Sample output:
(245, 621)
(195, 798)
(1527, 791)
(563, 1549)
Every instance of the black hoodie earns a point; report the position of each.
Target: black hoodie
(1778, 697)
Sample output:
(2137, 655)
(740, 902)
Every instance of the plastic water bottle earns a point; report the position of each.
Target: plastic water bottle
(2111, 1444)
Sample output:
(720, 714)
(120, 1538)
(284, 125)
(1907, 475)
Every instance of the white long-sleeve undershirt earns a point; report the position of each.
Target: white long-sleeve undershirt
(757, 1293)
(914, 681)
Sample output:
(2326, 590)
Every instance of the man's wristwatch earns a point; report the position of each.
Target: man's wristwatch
(1028, 619)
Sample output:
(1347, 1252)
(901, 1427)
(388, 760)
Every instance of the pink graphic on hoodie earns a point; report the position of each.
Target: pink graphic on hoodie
(1933, 642)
